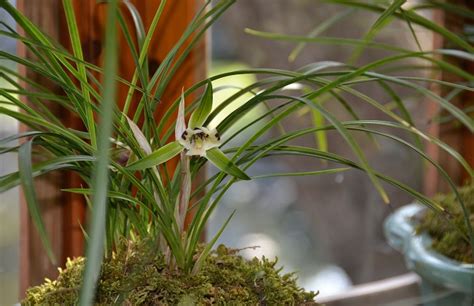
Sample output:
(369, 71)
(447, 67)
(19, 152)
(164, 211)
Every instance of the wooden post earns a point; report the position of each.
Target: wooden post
(64, 212)
(34, 264)
(453, 133)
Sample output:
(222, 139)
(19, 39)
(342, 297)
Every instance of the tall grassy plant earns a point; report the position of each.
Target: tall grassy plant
(123, 163)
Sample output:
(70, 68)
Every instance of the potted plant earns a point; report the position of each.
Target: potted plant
(437, 248)
(139, 248)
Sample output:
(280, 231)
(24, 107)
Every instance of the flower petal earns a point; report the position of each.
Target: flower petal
(141, 139)
(198, 140)
(180, 123)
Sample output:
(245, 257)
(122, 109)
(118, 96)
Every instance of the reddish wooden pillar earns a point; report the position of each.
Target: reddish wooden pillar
(431, 176)
(34, 264)
(63, 213)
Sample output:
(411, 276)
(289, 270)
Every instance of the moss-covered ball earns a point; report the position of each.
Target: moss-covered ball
(138, 275)
(449, 232)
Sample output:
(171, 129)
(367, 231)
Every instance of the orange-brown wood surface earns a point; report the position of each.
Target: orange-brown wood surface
(64, 213)
(431, 176)
(34, 264)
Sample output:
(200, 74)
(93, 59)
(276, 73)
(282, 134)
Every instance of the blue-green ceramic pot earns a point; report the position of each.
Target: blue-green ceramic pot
(445, 282)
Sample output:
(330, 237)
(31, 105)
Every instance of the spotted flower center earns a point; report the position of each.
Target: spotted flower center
(198, 140)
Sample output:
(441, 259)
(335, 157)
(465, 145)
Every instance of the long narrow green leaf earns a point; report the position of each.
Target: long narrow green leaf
(137, 22)
(100, 180)
(352, 143)
(320, 28)
(216, 157)
(26, 176)
(64, 162)
(35, 122)
(199, 116)
(143, 56)
(302, 151)
(381, 22)
(304, 173)
(453, 8)
(157, 157)
(414, 17)
(320, 136)
(77, 50)
(412, 30)
(54, 63)
(111, 194)
(194, 31)
(358, 42)
(205, 253)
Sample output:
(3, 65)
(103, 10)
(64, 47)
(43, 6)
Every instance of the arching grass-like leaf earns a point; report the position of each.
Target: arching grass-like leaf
(320, 28)
(218, 159)
(414, 18)
(157, 157)
(379, 24)
(200, 114)
(303, 173)
(26, 177)
(77, 50)
(100, 180)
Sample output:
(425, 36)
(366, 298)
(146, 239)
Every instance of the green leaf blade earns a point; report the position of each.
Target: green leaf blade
(100, 175)
(77, 50)
(199, 116)
(157, 157)
(304, 173)
(218, 159)
(26, 177)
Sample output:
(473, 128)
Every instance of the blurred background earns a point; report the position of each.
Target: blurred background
(326, 228)
(9, 201)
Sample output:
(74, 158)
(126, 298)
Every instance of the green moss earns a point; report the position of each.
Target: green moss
(450, 235)
(137, 275)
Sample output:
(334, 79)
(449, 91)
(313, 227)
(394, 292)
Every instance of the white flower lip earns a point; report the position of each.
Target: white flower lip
(198, 140)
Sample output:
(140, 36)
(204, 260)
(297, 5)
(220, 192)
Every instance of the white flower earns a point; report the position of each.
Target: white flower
(195, 140)
(198, 140)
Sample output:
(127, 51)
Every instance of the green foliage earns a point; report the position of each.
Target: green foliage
(223, 163)
(137, 274)
(100, 173)
(158, 157)
(199, 116)
(450, 236)
(124, 163)
(460, 48)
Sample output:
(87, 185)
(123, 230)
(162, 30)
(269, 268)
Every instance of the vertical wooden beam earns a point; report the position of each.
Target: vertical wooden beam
(431, 176)
(34, 264)
(453, 133)
(64, 213)
(468, 101)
